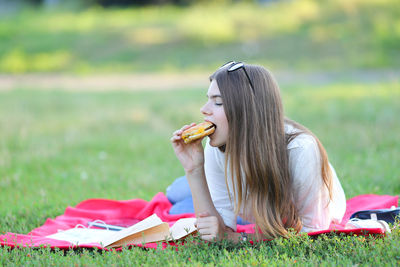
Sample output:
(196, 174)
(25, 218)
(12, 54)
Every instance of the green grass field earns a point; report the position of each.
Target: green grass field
(59, 148)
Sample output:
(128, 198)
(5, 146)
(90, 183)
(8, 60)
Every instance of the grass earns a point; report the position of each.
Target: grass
(327, 251)
(300, 35)
(58, 148)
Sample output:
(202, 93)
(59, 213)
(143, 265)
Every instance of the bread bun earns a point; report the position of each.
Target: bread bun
(198, 131)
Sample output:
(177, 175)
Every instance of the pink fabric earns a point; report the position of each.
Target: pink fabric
(128, 212)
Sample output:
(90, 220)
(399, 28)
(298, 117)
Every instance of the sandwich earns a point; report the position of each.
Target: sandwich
(198, 131)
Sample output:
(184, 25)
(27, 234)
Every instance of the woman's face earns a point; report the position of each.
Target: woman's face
(214, 112)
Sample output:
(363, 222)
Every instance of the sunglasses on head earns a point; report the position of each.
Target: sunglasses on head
(232, 66)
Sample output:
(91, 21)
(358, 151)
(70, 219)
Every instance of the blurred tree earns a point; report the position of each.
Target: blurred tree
(130, 2)
(33, 1)
(107, 3)
(158, 2)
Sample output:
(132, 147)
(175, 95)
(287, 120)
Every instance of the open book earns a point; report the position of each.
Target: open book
(151, 229)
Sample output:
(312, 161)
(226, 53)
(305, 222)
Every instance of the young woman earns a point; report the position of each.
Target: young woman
(257, 164)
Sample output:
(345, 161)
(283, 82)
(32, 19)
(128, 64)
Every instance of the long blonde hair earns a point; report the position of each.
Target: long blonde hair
(256, 149)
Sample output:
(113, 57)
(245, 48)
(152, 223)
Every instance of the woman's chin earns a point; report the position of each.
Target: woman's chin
(211, 142)
(215, 143)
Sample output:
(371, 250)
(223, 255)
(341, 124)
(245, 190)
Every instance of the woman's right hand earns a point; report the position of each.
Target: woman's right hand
(190, 155)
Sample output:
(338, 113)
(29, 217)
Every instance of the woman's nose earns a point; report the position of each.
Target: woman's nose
(205, 110)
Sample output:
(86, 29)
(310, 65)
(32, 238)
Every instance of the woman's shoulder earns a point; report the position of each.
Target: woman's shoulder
(302, 140)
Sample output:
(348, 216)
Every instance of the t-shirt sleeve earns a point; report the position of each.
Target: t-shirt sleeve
(215, 175)
(311, 195)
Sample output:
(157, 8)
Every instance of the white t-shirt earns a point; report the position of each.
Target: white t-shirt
(311, 195)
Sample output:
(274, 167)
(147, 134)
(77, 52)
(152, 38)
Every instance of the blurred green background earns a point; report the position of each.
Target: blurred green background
(90, 92)
(86, 37)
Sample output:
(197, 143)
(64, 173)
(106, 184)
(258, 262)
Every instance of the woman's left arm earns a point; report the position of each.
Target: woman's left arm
(222, 226)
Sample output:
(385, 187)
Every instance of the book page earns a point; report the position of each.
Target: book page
(154, 234)
(182, 228)
(148, 223)
(78, 236)
(162, 232)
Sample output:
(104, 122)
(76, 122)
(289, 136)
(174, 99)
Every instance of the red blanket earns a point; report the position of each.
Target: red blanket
(128, 212)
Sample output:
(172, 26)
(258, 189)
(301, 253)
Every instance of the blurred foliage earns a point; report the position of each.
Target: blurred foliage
(300, 35)
(112, 3)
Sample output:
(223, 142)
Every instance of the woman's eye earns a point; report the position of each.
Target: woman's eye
(218, 104)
